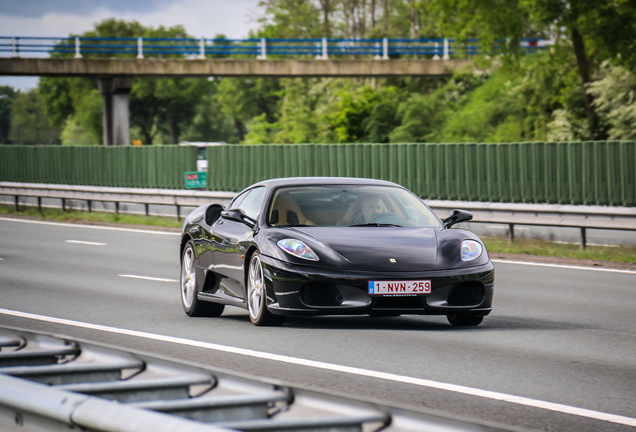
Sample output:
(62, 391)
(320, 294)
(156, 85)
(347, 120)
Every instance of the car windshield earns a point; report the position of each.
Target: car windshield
(344, 205)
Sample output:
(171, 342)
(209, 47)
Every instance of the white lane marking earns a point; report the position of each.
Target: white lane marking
(149, 278)
(85, 243)
(571, 267)
(519, 400)
(98, 227)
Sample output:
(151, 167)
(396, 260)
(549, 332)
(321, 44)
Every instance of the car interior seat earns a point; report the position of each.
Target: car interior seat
(286, 211)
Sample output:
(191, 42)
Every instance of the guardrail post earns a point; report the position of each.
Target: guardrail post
(263, 54)
(89, 204)
(77, 48)
(178, 213)
(583, 238)
(117, 207)
(63, 205)
(325, 51)
(446, 50)
(202, 49)
(511, 233)
(40, 205)
(17, 204)
(385, 49)
(140, 48)
(147, 209)
(14, 47)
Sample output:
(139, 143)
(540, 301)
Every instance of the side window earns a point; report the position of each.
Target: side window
(237, 201)
(253, 202)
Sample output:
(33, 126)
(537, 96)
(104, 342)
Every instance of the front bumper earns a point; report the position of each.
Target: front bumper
(306, 290)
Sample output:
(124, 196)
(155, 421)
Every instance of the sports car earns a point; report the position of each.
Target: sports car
(332, 246)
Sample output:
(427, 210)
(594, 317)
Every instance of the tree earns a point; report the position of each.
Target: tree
(29, 123)
(7, 95)
(74, 134)
(244, 98)
(615, 98)
(159, 106)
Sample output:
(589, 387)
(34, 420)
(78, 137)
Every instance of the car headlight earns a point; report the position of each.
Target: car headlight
(298, 249)
(471, 250)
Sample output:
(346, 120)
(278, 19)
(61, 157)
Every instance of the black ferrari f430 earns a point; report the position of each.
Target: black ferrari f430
(332, 246)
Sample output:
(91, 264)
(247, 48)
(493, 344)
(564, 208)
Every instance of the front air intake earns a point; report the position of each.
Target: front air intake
(467, 294)
(318, 294)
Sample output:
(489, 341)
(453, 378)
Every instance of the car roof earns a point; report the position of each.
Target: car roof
(307, 181)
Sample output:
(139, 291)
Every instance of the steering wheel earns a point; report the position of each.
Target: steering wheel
(389, 218)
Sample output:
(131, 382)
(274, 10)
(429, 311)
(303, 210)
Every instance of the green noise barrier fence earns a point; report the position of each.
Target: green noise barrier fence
(134, 167)
(589, 173)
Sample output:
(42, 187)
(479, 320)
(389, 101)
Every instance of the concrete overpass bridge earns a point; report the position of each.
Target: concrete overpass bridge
(155, 57)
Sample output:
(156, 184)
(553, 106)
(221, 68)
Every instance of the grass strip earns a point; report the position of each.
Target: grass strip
(521, 245)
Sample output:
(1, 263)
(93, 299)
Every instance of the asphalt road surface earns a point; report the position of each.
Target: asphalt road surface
(557, 354)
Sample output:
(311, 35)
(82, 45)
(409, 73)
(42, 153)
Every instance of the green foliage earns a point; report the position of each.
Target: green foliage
(209, 123)
(29, 123)
(615, 97)
(242, 99)
(510, 97)
(289, 19)
(7, 94)
(351, 111)
(74, 134)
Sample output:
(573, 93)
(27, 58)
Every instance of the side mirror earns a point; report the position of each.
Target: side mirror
(213, 213)
(456, 217)
(238, 216)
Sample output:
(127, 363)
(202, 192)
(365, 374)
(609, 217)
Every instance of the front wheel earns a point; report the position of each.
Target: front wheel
(257, 295)
(465, 320)
(191, 304)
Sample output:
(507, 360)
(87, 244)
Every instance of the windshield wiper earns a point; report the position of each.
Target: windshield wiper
(376, 225)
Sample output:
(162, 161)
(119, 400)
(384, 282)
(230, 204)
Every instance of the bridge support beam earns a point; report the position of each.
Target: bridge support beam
(116, 113)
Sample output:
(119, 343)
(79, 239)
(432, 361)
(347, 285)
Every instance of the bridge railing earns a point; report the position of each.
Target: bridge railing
(320, 49)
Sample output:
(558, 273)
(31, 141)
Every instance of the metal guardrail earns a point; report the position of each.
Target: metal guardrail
(89, 194)
(319, 48)
(53, 383)
(555, 215)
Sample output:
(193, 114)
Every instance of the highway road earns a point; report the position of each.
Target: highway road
(557, 354)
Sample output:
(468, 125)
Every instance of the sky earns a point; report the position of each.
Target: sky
(57, 18)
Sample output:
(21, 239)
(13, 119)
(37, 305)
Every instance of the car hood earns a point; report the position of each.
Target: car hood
(381, 248)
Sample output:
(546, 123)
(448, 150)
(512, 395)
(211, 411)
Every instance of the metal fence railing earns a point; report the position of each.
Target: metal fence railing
(577, 173)
(261, 48)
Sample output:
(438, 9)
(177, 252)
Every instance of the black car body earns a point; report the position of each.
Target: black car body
(307, 246)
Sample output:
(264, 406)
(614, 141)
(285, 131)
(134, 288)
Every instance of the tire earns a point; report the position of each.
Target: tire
(188, 285)
(257, 295)
(465, 320)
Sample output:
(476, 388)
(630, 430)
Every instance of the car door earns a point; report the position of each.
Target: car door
(233, 239)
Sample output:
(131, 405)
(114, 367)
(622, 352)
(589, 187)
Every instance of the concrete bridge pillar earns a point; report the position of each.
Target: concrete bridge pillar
(116, 113)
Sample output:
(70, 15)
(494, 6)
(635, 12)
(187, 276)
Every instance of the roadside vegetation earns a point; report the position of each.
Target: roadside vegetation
(521, 246)
(71, 216)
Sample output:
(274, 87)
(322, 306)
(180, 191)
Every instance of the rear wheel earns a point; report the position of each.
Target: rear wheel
(257, 295)
(465, 320)
(191, 304)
